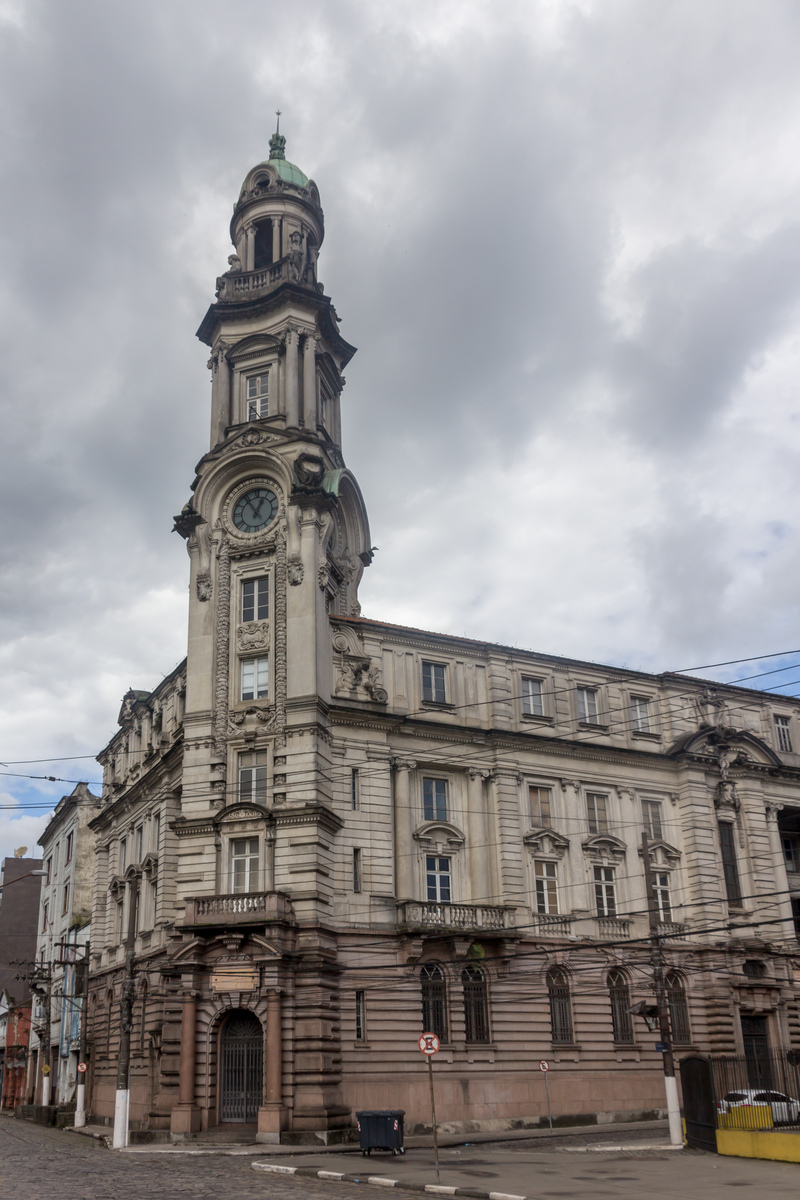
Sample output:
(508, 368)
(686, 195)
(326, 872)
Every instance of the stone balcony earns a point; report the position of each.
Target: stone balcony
(613, 927)
(472, 918)
(246, 285)
(551, 925)
(239, 908)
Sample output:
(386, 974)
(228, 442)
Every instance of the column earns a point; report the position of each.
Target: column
(250, 248)
(276, 239)
(403, 828)
(270, 1114)
(478, 844)
(185, 1116)
(309, 415)
(783, 899)
(292, 399)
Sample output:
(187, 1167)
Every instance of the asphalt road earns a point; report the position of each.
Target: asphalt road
(36, 1162)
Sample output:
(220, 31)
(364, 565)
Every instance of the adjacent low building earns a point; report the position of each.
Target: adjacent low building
(62, 944)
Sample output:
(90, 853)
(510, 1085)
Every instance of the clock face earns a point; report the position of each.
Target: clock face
(255, 509)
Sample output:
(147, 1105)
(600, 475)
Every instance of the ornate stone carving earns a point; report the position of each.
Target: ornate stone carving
(361, 674)
(726, 795)
(297, 257)
(253, 636)
(204, 587)
(187, 520)
(404, 764)
(295, 571)
(546, 842)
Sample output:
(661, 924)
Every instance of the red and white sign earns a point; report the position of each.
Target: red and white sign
(82, 1068)
(429, 1043)
(544, 1066)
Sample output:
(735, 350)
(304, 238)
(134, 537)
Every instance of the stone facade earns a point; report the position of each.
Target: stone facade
(337, 831)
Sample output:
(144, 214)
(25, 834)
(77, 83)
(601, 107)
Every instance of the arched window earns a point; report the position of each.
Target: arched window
(678, 1010)
(560, 1007)
(434, 1001)
(620, 996)
(476, 1004)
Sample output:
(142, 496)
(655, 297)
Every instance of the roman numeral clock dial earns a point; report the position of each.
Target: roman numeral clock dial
(255, 510)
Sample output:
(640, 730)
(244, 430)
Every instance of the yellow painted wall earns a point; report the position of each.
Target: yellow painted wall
(758, 1143)
(754, 1116)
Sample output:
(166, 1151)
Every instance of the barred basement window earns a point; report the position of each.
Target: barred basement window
(476, 1004)
(678, 1010)
(434, 1001)
(730, 871)
(620, 996)
(560, 1007)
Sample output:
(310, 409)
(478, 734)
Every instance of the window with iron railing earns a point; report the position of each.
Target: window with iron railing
(560, 1007)
(620, 997)
(434, 1000)
(476, 1004)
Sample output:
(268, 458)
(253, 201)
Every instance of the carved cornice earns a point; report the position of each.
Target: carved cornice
(310, 814)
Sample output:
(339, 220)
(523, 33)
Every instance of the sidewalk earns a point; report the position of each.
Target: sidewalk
(572, 1136)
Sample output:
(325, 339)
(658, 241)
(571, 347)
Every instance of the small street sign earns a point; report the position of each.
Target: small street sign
(544, 1066)
(429, 1043)
(662, 1047)
(82, 1068)
(45, 1069)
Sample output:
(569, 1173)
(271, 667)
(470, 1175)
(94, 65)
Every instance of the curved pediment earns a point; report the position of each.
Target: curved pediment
(546, 842)
(258, 343)
(243, 811)
(439, 834)
(603, 847)
(745, 747)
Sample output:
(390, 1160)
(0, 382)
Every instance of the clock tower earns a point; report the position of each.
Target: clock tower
(278, 539)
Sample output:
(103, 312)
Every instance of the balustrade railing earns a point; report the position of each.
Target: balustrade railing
(552, 924)
(236, 908)
(455, 916)
(614, 927)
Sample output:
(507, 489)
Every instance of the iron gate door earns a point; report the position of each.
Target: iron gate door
(699, 1108)
(241, 1068)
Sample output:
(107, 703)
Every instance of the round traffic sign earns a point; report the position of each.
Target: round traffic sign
(429, 1043)
(82, 1068)
(544, 1066)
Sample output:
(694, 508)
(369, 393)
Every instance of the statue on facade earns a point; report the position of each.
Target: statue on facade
(297, 257)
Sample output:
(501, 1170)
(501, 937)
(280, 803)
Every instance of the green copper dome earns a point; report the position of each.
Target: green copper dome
(287, 171)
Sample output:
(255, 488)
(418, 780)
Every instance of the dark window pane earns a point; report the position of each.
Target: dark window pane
(434, 1002)
(476, 1005)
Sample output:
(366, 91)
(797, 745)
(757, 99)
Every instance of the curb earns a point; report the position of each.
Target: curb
(382, 1181)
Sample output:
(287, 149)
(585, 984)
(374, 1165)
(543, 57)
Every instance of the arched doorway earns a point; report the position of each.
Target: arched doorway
(241, 1074)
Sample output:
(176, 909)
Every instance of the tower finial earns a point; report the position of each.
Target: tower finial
(277, 143)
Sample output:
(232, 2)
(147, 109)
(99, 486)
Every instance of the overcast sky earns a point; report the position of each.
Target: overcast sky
(564, 237)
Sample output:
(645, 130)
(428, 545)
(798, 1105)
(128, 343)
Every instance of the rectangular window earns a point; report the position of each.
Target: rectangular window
(729, 869)
(139, 843)
(782, 734)
(65, 900)
(532, 704)
(433, 683)
(604, 892)
(790, 853)
(255, 599)
(44, 917)
(258, 396)
(356, 869)
(661, 889)
(587, 705)
(244, 864)
(597, 808)
(123, 854)
(155, 833)
(354, 782)
(434, 799)
(361, 1013)
(255, 678)
(640, 714)
(546, 890)
(253, 777)
(437, 872)
(55, 858)
(68, 848)
(651, 815)
(541, 808)
(49, 869)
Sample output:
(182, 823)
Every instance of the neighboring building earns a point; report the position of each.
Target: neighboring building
(19, 910)
(339, 832)
(64, 915)
(15, 1025)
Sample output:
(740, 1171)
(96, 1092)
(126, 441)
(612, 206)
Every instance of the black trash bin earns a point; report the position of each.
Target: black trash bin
(381, 1130)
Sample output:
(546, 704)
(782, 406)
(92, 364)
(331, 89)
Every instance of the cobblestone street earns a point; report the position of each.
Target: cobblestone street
(36, 1162)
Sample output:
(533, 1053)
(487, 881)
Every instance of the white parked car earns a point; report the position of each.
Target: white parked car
(785, 1110)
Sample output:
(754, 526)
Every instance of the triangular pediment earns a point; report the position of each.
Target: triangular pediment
(662, 854)
(546, 842)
